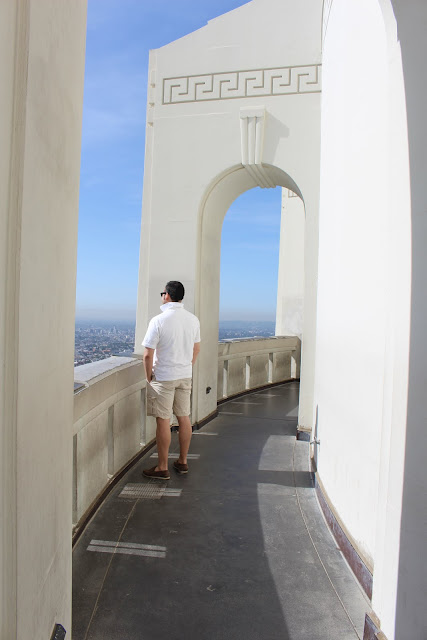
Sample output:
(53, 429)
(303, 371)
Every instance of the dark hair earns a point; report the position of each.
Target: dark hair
(175, 289)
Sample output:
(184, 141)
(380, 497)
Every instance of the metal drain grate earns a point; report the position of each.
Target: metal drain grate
(127, 548)
(172, 493)
(147, 491)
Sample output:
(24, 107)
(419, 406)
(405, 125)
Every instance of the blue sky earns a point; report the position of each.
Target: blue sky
(120, 34)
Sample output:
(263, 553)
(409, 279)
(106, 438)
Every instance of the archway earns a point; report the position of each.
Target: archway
(219, 126)
(219, 196)
(250, 241)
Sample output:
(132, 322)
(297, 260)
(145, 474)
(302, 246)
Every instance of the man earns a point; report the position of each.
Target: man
(172, 343)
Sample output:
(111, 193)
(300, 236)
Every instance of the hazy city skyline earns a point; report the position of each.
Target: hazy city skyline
(99, 339)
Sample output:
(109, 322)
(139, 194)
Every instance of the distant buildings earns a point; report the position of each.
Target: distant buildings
(95, 342)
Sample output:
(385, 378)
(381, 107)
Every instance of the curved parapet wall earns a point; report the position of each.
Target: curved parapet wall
(110, 423)
(244, 365)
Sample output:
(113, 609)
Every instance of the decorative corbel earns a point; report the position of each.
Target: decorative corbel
(252, 125)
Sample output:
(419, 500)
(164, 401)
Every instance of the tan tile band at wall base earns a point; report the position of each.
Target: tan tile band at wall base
(360, 565)
(372, 629)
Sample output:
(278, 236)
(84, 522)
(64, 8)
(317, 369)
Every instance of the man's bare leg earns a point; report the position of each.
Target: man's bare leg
(163, 440)
(184, 435)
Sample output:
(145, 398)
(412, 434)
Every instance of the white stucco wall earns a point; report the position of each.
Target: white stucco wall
(193, 162)
(411, 613)
(364, 286)
(290, 283)
(42, 48)
(7, 339)
(352, 262)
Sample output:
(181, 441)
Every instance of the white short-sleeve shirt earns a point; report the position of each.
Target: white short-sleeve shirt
(172, 334)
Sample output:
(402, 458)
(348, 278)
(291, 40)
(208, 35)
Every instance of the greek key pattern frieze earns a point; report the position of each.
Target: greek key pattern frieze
(243, 84)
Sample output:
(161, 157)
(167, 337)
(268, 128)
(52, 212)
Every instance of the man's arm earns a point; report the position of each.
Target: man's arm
(148, 363)
(196, 351)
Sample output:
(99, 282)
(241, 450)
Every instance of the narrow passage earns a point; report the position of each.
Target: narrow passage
(238, 548)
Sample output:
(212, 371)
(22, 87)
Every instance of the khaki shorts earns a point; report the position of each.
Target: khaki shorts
(168, 396)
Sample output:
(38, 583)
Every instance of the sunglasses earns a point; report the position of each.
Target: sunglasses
(163, 293)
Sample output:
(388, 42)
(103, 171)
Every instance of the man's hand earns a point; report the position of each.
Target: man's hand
(148, 358)
(196, 351)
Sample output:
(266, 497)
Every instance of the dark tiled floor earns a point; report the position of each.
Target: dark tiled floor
(243, 552)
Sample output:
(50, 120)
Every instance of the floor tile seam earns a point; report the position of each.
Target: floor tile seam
(105, 505)
(324, 566)
(95, 608)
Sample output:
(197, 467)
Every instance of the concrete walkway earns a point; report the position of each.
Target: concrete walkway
(237, 549)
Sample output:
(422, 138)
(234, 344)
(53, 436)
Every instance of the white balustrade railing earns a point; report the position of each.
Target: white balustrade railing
(110, 423)
(247, 364)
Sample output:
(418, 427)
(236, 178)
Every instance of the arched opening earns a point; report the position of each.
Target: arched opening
(224, 190)
(250, 243)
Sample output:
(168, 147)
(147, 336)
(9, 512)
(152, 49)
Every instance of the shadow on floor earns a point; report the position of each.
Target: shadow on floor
(223, 553)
